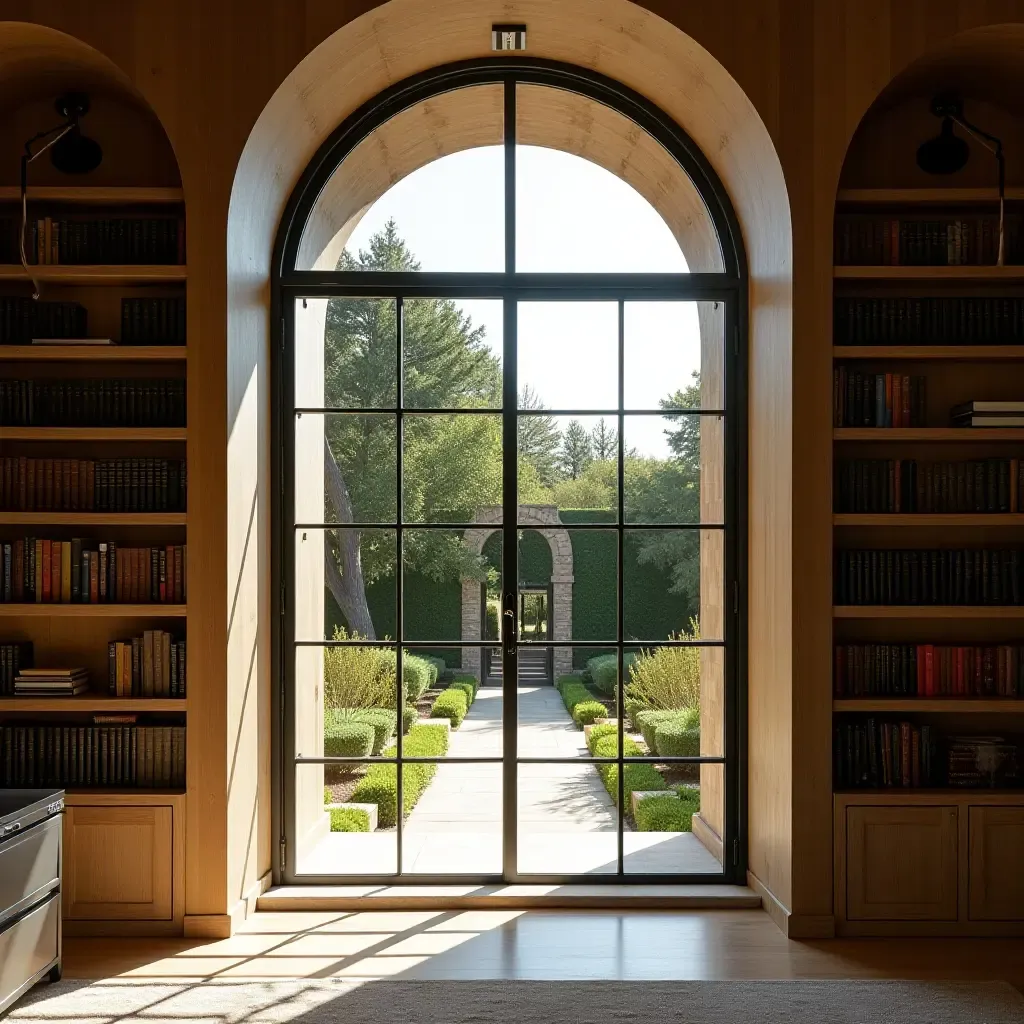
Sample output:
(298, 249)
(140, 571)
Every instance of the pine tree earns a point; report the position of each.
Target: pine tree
(604, 441)
(576, 452)
(539, 438)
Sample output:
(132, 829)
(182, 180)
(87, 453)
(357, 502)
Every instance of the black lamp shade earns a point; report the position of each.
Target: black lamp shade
(76, 153)
(945, 154)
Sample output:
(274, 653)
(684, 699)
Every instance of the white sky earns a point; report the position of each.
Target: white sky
(572, 216)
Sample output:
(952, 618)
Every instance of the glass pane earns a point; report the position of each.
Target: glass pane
(589, 187)
(675, 706)
(451, 585)
(451, 468)
(344, 584)
(455, 825)
(570, 463)
(680, 830)
(546, 728)
(672, 580)
(346, 468)
(675, 469)
(346, 354)
(335, 823)
(409, 197)
(568, 355)
(674, 355)
(567, 590)
(567, 820)
(451, 353)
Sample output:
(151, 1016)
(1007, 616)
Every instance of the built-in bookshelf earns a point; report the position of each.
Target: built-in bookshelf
(137, 308)
(914, 504)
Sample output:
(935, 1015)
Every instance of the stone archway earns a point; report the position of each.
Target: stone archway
(548, 524)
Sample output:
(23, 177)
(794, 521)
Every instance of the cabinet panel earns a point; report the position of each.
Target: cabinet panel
(902, 863)
(118, 863)
(996, 881)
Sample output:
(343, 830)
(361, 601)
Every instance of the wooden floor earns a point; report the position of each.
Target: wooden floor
(717, 944)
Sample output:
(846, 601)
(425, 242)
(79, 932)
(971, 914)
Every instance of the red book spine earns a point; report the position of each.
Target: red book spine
(929, 670)
(919, 691)
(959, 687)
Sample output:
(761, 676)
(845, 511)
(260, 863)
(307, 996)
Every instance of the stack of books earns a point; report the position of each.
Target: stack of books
(51, 682)
(988, 414)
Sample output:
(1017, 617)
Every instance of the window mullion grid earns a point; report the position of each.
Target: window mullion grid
(399, 599)
(619, 595)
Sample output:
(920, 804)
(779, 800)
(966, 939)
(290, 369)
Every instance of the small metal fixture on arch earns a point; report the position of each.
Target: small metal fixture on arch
(508, 37)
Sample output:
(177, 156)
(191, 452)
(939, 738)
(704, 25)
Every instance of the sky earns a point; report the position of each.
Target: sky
(572, 216)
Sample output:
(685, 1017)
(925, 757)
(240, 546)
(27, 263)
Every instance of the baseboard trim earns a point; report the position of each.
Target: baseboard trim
(208, 926)
(709, 837)
(793, 926)
(510, 897)
(776, 910)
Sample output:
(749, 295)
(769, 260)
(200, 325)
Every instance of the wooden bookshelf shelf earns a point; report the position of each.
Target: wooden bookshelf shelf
(951, 705)
(906, 796)
(92, 353)
(94, 195)
(121, 797)
(101, 274)
(153, 610)
(936, 435)
(954, 353)
(92, 702)
(924, 196)
(135, 434)
(92, 518)
(933, 611)
(919, 520)
(1001, 275)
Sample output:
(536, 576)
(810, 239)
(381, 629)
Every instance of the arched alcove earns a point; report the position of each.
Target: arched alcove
(657, 60)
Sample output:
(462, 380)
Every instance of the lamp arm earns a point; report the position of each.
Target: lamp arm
(28, 156)
(995, 146)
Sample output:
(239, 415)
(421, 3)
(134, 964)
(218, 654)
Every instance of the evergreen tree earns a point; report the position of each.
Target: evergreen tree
(604, 441)
(576, 454)
(539, 438)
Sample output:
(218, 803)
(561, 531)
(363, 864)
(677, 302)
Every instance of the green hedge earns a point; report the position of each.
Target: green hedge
(602, 671)
(439, 664)
(410, 716)
(649, 720)
(348, 739)
(381, 720)
(637, 777)
(668, 813)
(349, 819)
(574, 693)
(380, 786)
(466, 687)
(450, 704)
(472, 680)
(677, 738)
(598, 732)
(587, 712)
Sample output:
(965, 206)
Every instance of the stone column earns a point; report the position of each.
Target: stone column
(471, 613)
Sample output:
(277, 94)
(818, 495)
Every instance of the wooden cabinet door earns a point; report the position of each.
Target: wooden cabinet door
(118, 863)
(996, 859)
(901, 863)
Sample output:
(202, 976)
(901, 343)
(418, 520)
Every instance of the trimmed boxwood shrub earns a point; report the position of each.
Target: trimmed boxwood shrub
(348, 739)
(668, 813)
(677, 738)
(410, 716)
(640, 777)
(418, 675)
(587, 712)
(650, 719)
(464, 687)
(575, 693)
(450, 704)
(439, 664)
(381, 720)
(380, 786)
(349, 819)
(472, 680)
(602, 671)
(599, 731)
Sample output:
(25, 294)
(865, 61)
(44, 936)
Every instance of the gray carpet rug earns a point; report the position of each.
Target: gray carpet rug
(521, 1002)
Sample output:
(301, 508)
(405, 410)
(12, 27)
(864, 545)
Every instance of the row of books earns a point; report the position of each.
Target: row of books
(127, 402)
(151, 665)
(998, 413)
(62, 572)
(947, 241)
(13, 658)
(114, 751)
(22, 319)
(869, 754)
(928, 670)
(92, 485)
(878, 399)
(982, 762)
(89, 239)
(153, 321)
(946, 577)
(51, 682)
(909, 486)
(929, 321)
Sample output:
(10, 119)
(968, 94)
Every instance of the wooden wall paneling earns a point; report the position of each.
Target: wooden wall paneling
(995, 883)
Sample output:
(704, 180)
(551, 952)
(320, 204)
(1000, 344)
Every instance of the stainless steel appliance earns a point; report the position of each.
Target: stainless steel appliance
(30, 875)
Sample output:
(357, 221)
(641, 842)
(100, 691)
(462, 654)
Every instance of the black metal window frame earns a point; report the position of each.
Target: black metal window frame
(511, 287)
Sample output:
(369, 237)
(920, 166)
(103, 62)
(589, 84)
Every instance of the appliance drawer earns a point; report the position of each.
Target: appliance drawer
(28, 947)
(29, 867)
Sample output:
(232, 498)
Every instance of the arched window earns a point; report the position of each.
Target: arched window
(509, 441)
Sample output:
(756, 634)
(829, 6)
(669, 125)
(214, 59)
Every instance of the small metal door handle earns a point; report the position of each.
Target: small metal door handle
(508, 624)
